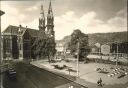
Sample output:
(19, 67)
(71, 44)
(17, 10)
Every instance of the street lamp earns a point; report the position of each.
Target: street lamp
(117, 55)
(100, 52)
(78, 50)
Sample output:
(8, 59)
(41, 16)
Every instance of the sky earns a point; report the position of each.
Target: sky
(90, 16)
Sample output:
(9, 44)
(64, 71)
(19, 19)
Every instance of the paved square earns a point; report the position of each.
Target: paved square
(88, 71)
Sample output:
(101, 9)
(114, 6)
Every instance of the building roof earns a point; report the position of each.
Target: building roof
(1, 13)
(33, 32)
(14, 30)
(11, 29)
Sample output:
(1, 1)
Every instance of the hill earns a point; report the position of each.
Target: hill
(102, 38)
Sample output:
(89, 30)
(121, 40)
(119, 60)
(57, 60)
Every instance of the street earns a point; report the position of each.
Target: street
(9, 83)
(29, 76)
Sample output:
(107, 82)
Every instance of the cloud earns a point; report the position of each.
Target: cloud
(122, 12)
(32, 8)
(16, 16)
(88, 23)
(68, 18)
(34, 24)
(65, 24)
(10, 16)
(24, 11)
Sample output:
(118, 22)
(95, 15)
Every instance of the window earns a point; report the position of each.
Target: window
(20, 46)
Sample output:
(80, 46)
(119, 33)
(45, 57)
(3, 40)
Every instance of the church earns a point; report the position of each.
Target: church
(18, 40)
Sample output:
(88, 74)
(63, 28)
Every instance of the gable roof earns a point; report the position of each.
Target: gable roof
(11, 29)
(14, 30)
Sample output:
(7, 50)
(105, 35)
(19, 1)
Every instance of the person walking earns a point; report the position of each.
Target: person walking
(99, 82)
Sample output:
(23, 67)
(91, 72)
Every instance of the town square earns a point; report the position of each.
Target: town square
(64, 44)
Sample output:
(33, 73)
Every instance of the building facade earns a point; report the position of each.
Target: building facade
(1, 43)
(18, 40)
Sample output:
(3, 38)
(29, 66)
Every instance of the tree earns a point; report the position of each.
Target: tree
(50, 48)
(44, 46)
(78, 36)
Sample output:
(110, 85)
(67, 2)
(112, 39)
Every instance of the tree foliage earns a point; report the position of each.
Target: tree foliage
(44, 47)
(78, 36)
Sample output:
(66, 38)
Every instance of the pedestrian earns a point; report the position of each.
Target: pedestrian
(99, 82)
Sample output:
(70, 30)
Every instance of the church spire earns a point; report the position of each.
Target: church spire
(50, 13)
(42, 19)
(50, 21)
(42, 11)
(50, 8)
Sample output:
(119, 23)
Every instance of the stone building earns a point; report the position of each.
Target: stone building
(18, 40)
(120, 48)
(1, 48)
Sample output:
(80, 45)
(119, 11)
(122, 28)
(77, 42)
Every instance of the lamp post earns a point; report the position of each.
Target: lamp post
(117, 55)
(78, 47)
(100, 52)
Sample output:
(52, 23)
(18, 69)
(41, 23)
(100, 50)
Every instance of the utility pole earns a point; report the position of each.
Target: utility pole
(78, 47)
(117, 55)
(100, 52)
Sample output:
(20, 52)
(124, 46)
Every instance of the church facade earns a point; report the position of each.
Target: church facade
(18, 40)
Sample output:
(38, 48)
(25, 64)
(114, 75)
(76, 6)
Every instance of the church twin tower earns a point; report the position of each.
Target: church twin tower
(49, 27)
